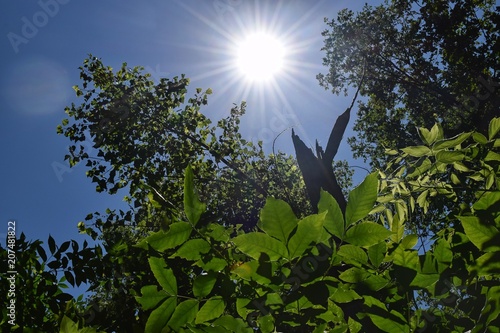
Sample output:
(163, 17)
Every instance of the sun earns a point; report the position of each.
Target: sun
(260, 57)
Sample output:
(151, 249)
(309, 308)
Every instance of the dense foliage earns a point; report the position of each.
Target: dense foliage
(421, 61)
(289, 275)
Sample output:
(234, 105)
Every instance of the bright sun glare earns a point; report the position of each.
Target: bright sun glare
(260, 57)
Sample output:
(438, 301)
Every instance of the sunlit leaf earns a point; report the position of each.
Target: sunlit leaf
(366, 234)
(485, 237)
(165, 276)
(213, 308)
(255, 243)
(193, 207)
(334, 219)
(362, 199)
(307, 234)
(277, 219)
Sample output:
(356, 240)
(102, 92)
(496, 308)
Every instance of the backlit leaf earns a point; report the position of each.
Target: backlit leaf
(362, 199)
(255, 243)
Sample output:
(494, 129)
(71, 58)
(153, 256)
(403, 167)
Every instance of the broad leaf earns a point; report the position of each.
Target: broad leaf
(452, 142)
(445, 156)
(165, 276)
(362, 199)
(277, 219)
(494, 128)
(192, 205)
(203, 284)
(485, 237)
(417, 151)
(178, 233)
(151, 296)
(376, 253)
(307, 234)
(351, 252)
(334, 219)
(159, 317)
(366, 234)
(184, 313)
(255, 243)
(487, 200)
(213, 308)
(193, 249)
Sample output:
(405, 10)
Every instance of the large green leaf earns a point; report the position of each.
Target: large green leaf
(334, 220)
(193, 249)
(362, 199)
(376, 253)
(417, 151)
(390, 323)
(178, 233)
(485, 237)
(487, 200)
(151, 296)
(451, 142)
(277, 219)
(351, 252)
(165, 276)
(308, 232)
(213, 308)
(203, 284)
(445, 156)
(192, 205)
(366, 234)
(255, 243)
(494, 128)
(184, 313)
(159, 317)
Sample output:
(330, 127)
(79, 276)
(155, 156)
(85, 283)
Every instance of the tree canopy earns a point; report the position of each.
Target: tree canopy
(423, 61)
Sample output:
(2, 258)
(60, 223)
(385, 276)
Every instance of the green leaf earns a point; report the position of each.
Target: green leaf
(178, 233)
(426, 136)
(479, 138)
(494, 128)
(351, 252)
(255, 243)
(193, 207)
(165, 276)
(445, 156)
(308, 233)
(409, 241)
(485, 237)
(487, 265)
(390, 323)
(344, 295)
(277, 219)
(354, 275)
(425, 281)
(159, 317)
(203, 284)
(376, 253)
(451, 142)
(487, 200)
(150, 297)
(334, 219)
(417, 151)
(68, 326)
(184, 313)
(362, 199)
(193, 249)
(213, 308)
(406, 258)
(366, 234)
(233, 324)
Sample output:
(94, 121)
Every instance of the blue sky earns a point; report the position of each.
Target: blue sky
(44, 42)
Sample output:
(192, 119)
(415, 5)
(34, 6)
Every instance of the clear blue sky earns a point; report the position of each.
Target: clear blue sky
(44, 42)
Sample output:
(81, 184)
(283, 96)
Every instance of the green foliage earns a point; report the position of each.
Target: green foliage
(416, 62)
(288, 276)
